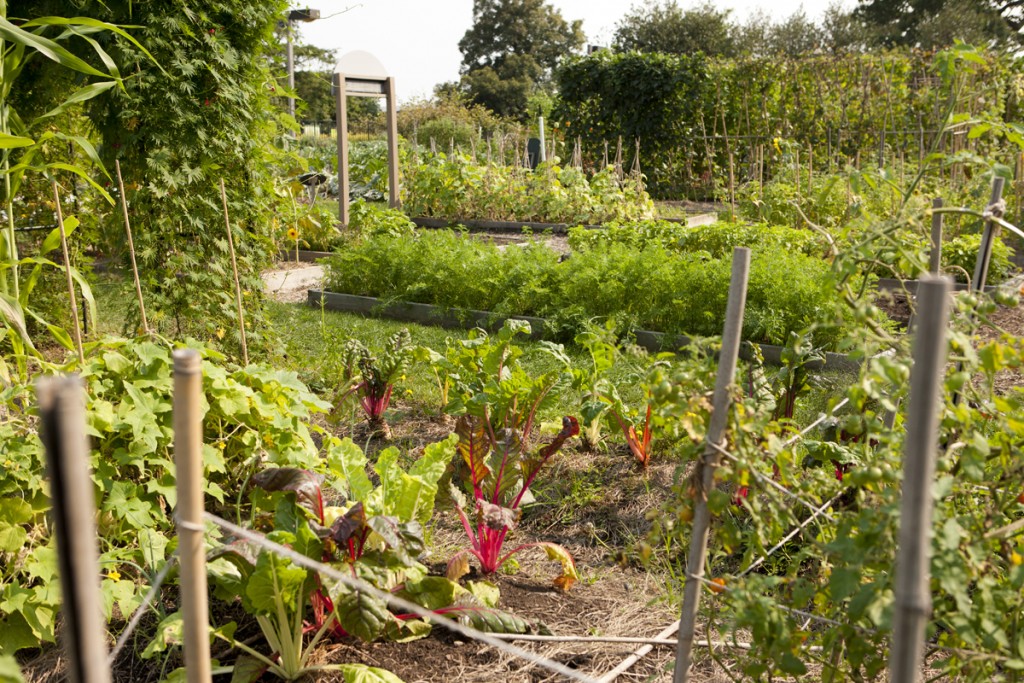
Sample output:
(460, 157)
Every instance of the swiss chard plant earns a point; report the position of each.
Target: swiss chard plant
(372, 378)
(498, 403)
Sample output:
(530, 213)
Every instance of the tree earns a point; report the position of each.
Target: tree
(511, 49)
(666, 27)
(935, 23)
(761, 37)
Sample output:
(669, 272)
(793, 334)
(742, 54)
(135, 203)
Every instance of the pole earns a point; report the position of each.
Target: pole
(391, 113)
(988, 236)
(290, 58)
(62, 410)
(67, 271)
(543, 151)
(935, 256)
(341, 111)
(709, 461)
(188, 460)
(131, 247)
(913, 597)
(234, 270)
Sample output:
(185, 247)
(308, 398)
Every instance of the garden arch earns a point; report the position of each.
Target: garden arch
(360, 74)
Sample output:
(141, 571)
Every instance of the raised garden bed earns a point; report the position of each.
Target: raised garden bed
(517, 226)
(428, 314)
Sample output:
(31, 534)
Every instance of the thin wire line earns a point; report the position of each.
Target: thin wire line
(821, 418)
(757, 563)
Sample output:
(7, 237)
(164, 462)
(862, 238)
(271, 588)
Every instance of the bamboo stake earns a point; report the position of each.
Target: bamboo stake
(67, 271)
(62, 409)
(988, 235)
(706, 467)
(935, 256)
(131, 247)
(188, 459)
(637, 656)
(913, 596)
(234, 270)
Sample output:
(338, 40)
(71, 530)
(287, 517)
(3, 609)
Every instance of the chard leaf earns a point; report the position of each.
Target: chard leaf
(347, 525)
(405, 539)
(432, 592)
(486, 593)
(362, 615)
(360, 673)
(247, 669)
(275, 579)
(348, 461)
(473, 447)
(568, 577)
(488, 620)
(305, 485)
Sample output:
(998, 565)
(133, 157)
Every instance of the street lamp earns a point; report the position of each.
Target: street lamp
(306, 15)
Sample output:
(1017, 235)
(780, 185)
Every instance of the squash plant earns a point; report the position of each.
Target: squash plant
(254, 414)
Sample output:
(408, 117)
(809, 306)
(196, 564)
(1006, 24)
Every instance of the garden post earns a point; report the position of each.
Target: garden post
(341, 108)
(188, 460)
(131, 247)
(391, 113)
(67, 271)
(705, 473)
(912, 586)
(62, 412)
(234, 270)
(935, 256)
(540, 132)
(995, 207)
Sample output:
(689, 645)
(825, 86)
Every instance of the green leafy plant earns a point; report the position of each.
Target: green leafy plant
(376, 377)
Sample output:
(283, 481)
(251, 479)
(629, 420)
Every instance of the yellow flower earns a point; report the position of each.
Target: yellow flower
(775, 142)
(293, 234)
(114, 575)
(220, 333)
(1016, 559)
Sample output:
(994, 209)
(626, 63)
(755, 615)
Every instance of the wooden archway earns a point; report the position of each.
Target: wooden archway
(360, 74)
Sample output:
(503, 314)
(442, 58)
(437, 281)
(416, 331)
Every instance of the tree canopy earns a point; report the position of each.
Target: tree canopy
(666, 27)
(936, 23)
(511, 49)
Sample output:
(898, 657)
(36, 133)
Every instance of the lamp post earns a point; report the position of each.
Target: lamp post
(306, 15)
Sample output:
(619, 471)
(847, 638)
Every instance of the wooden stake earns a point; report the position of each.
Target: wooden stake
(912, 589)
(67, 271)
(62, 409)
(988, 235)
(188, 461)
(131, 247)
(705, 474)
(234, 270)
(935, 256)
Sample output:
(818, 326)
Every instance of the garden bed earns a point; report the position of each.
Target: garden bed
(460, 318)
(511, 226)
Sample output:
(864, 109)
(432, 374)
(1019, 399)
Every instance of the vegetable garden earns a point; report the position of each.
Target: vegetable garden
(823, 481)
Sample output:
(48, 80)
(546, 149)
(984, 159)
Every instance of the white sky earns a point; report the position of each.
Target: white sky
(417, 40)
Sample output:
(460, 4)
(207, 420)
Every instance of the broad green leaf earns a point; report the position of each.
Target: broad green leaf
(362, 615)
(247, 669)
(169, 632)
(361, 673)
(348, 461)
(484, 591)
(275, 579)
(94, 23)
(488, 620)
(432, 592)
(9, 670)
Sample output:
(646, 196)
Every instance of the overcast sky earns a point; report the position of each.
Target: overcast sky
(418, 40)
